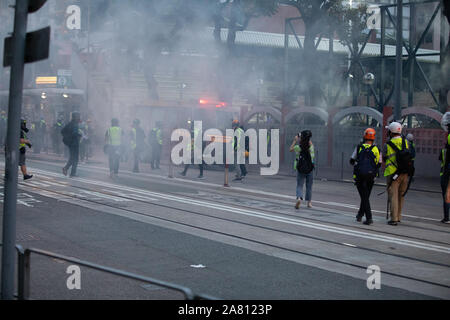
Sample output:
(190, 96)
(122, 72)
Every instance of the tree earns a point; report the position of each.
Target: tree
(236, 16)
(445, 62)
(316, 16)
(349, 25)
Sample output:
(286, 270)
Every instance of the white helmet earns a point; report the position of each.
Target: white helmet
(395, 127)
(445, 120)
(409, 137)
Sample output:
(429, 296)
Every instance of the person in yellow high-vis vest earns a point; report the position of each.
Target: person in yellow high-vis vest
(445, 175)
(22, 150)
(113, 140)
(397, 183)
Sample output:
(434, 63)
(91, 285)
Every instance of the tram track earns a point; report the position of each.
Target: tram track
(102, 203)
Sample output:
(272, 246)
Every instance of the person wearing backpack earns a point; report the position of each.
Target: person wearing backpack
(366, 161)
(71, 138)
(304, 164)
(399, 168)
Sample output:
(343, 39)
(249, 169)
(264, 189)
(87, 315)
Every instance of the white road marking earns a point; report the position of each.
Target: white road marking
(337, 204)
(271, 217)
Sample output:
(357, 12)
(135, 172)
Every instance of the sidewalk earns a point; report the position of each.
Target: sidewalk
(215, 174)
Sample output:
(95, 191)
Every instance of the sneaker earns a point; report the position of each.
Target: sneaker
(74, 176)
(392, 223)
(237, 179)
(183, 174)
(445, 221)
(64, 170)
(309, 204)
(358, 218)
(200, 177)
(368, 222)
(297, 204)
(27, 176)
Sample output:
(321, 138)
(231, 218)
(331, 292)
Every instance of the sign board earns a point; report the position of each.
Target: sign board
(64, 78)
(36, 48)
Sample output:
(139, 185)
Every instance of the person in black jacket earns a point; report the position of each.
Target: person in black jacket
(71, 138)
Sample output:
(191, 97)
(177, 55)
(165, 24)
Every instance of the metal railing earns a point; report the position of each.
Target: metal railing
(24, 274)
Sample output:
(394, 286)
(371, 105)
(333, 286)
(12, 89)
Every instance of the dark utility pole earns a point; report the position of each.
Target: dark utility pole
(398, 62)
(12, 148)
(22, 47)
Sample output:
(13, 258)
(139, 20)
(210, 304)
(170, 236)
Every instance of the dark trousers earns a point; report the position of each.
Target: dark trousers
(364, 185)
(200, 166)
(444, 184)
(73, 159)
(114, 158)
(136, 156)
(156, 156)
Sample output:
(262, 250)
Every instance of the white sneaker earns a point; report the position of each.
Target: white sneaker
(309, 204)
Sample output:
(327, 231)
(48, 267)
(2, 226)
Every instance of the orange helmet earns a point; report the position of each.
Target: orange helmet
(369, 134)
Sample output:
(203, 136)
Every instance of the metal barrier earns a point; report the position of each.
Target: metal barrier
(24, 275)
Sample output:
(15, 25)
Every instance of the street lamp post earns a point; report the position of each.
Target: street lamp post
(368, 80)
(398, 62)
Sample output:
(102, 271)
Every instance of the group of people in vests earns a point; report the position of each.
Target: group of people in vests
(398, 155)
(114, 142)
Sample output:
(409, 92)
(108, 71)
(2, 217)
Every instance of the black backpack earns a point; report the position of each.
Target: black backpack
(366, 162)
(304, 162)
(403, 158)
(66, 134)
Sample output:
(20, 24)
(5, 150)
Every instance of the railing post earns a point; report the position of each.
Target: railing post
(23, 292)
(225, 181)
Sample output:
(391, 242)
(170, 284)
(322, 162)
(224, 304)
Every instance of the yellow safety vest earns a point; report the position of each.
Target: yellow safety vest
(22, 145)
(191, 144)
(114, 136)
(391, 161)
(240, 133)
(158, 135)
(133, 139)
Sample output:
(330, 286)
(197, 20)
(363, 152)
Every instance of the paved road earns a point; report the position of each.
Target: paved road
(242, 242)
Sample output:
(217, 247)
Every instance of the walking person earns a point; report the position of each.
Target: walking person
(71, 138)
(238, 147)
(137, 143)
(113, 140)
(398, 162)
(156, 141)
(194, 135)
(445, 170)
(304, 164)
(22, 150)
(56, 137)
(366, 161)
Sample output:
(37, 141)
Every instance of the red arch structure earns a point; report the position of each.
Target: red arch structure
(274, 112)
(431, 113)
(322, 114)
